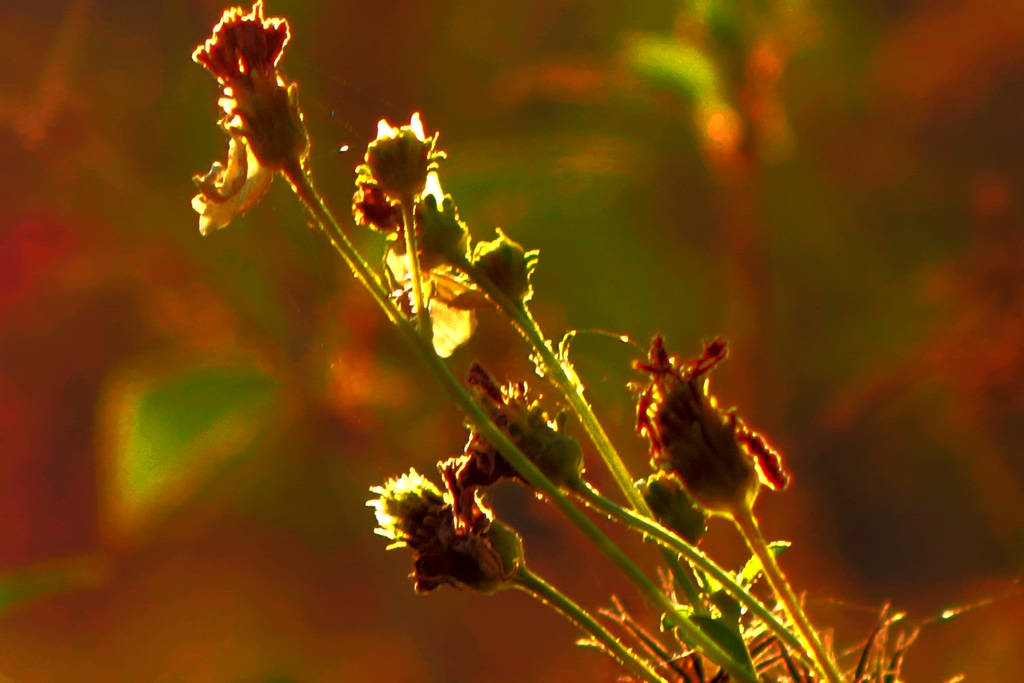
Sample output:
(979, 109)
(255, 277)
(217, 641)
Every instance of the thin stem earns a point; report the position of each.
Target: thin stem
(671, 540)
(564, 377)
(692, 634)
(528, 582)
(412, 252)
(305, 190)
(746, 522)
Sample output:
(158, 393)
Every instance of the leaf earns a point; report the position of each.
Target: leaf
(167, 434)
(681, 66)
(728, 636)
(50, 577)
(752, 569)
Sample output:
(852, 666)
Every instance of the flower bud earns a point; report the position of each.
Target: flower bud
(443, 238)
(372, 208)
(672, 506)
(507, 265)
(400, 158)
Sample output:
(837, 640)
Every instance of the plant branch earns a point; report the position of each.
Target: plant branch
(693, 636)
(669, 539)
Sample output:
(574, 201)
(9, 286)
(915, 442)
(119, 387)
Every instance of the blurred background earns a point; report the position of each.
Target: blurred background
(188, 425)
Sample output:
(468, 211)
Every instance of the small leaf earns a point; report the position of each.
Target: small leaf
(752, 569)
(727, 636)
(675, 64)
(50, 577)
(168, 433)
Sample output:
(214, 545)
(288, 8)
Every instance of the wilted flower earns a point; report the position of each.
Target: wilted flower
(528, 426)
(229, 190)
(719, 460)
(412, 512)
(261, 113)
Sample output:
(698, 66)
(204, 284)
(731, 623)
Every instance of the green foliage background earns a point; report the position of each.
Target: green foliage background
(188, 426)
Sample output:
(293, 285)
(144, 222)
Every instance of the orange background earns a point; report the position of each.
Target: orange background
(835, 189)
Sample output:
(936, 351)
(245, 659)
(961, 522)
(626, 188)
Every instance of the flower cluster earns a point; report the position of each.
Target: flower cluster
(719, 460)
(433, 280)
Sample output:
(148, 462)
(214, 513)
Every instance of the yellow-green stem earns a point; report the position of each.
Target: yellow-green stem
(413, 254)
(540, 589)
(564, 377)
(692, 634)
(669, 539)
(747, 524)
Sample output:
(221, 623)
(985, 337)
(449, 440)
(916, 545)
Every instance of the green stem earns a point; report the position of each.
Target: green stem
(529, 582)
(692, 634)
(302, 185)
(412, 252)
(746, 522)
(564, 377)
(671, 540)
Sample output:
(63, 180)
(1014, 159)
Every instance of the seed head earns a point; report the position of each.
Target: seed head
(399, 159)
(413, 513)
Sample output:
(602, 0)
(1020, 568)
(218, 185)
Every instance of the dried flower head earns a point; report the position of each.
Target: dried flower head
(399, 159)
(719, 460)
(372, 208)
(451, 299)
(528, 426)
(413, 513)
(243, 45)
(259, 106)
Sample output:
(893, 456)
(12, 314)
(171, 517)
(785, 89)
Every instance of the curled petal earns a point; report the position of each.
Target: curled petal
(228, 191)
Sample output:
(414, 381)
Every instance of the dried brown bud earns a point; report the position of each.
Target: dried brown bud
(555, 454)
(372, 208)
(719, 460)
